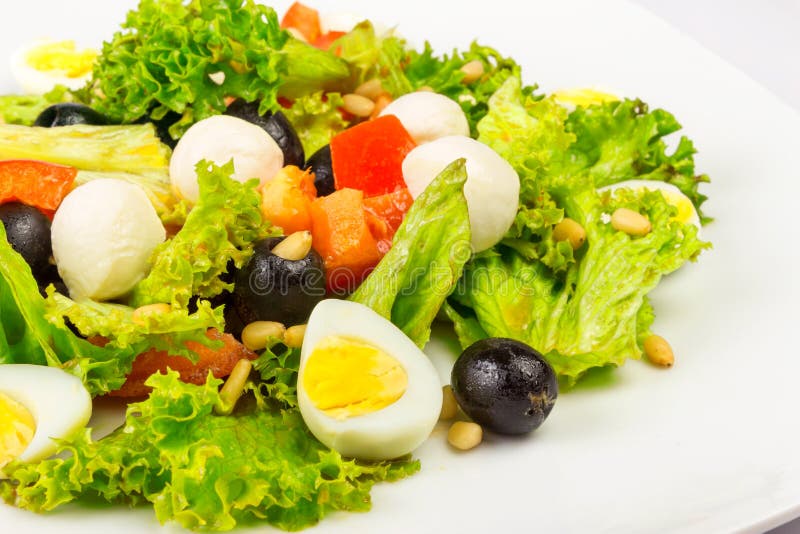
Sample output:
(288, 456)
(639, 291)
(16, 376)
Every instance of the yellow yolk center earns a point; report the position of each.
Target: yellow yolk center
(583, 97)
(17, 428)
(684, 205)
(345, 378)
(62, 56)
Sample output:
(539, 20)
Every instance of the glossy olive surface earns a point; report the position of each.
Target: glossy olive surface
(504, 385)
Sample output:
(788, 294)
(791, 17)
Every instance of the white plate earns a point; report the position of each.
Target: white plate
(708, 446)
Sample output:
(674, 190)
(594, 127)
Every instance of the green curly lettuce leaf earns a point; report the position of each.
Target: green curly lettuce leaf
(166, 331)
(204, 471)
(624, 140)
(220, 229)
(427, 257)
(162, 58)
(316, 118)
(529, 132)
(278, 366)
(595, 313)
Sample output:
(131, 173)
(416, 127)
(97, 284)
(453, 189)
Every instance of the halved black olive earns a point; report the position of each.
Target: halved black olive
(273, 288)
(69, 114)
(321, 165)
(276, 125)
(504, 385)
(28, 233)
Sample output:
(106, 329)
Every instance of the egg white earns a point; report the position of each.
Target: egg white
(38, 82)
(58, 402)
(392, 431)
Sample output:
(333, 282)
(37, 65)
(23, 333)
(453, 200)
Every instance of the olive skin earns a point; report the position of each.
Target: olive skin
(28, 233)
(69, 114)
(271, 288)
(504, 385)
(321, 165)
(276, 125)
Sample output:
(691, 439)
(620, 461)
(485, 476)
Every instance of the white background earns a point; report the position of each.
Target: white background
(709, 446)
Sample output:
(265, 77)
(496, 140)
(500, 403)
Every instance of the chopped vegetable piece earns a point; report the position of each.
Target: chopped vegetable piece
(385, 214)
(343, 239)
(219, 361)
(324, 41)
(35, 183)
(369, 157)
(304, 19)
(286, 199)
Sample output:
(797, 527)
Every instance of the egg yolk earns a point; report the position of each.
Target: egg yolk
(62, 56)
(17, 428)
(345, 378)
(684, 205)
(583, 97)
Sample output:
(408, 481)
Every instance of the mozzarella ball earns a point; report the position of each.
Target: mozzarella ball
(38, 405)
(492, 188)
(218, 139)
(103, 235)
(428, 116)
(364, 388)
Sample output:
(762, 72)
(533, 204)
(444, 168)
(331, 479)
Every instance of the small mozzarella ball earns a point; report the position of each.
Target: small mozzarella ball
(492, 188)
(428, 116)
(218, 139)
(103, 235)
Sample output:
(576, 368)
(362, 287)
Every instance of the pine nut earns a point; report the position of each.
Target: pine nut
(256, 335)
(472, 71)
(465, 436)
(217, 77)
(631, 222)
(425, 89)
(383, 100)
(358, 105)
(371, 89)
(294, 336)
(658, 351)
(234, 387)
(449, 404)
(570, 230)
(294, 247)
(140, 315)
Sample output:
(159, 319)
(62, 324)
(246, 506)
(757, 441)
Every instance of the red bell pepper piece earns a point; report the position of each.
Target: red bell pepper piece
(342, 237)
(303, 19)
(369, 156)
(385, 214)
(35, 183)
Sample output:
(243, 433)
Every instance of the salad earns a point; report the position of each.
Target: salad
(246, 227)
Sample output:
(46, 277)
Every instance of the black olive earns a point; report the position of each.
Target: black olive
(321, 165)
(69, 114)
(504, 385)
(50, 276)
(28, 232)
(163, 125)
(276, 125)
(271, 288)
